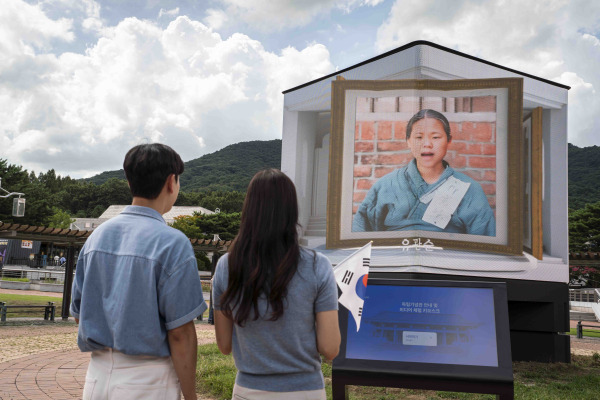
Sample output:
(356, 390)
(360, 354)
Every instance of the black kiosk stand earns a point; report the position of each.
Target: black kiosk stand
(430, 335)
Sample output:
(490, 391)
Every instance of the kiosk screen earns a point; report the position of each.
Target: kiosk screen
(425, 324)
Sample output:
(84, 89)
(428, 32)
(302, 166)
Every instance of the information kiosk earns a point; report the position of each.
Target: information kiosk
(432, 335)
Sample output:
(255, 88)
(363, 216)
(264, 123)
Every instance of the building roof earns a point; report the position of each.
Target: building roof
(427, 43)
(422, 60)
(169, 217)
(86, 224)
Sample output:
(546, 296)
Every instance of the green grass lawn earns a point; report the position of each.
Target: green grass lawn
(586, 332)
(28, 300)
(578, 380)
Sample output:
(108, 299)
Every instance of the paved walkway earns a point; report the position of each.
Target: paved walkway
(42, 362)
(60, 373)
(54, 375)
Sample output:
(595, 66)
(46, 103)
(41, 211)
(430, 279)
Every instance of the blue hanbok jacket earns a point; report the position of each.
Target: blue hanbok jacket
(393, 204)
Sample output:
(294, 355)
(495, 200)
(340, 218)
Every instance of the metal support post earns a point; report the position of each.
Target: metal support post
(579, 330)
(2, 311)
(66, 300)
(213, 265)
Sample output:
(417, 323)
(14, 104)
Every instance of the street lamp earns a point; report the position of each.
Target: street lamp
(18, 202)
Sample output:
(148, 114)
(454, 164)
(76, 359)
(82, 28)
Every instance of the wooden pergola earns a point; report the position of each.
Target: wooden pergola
(74, 239)
(588, 259)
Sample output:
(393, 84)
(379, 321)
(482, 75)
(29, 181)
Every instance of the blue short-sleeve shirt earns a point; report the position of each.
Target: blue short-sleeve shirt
(136, 279)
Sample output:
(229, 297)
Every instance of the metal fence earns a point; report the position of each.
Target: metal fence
(43, 275)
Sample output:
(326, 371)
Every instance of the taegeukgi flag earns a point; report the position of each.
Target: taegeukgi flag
(351, 276)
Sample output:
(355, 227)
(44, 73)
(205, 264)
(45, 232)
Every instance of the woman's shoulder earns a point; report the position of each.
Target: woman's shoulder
(313, 260)
(223, 260)
(311, 255)
(222, 265)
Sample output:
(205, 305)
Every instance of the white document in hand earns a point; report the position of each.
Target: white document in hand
(445, 201)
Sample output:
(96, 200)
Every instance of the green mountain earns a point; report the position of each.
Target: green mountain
(230, 168)
(584, 175)
(104, 176)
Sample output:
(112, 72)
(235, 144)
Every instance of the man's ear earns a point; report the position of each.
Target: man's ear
(169, 183)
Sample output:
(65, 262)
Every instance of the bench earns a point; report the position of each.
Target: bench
(49, 310)
(580, 327)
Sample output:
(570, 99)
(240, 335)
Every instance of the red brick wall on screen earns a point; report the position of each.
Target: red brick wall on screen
(380, 148)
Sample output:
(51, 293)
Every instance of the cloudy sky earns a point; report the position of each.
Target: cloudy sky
(81, 81)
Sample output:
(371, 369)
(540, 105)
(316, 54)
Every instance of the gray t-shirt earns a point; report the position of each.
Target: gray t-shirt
(282, 355)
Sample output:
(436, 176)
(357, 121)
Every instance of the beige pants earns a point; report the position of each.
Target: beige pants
(114, 375)
(242, 393)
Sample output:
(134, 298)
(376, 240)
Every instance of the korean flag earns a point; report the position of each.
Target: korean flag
(351, 275)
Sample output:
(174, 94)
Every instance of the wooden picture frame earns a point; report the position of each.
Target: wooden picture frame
(368, 141)
(533, 183)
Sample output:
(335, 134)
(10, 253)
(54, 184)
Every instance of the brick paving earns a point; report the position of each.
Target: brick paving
(42, 362)
(53, 375)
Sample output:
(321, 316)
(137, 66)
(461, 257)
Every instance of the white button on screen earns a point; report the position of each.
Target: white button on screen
(419, 338)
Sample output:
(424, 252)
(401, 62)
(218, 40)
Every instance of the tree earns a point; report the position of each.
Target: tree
(584, 228)
(60, 219)
(39, 200)
(228, 202)
(205, 226)
(204, 263)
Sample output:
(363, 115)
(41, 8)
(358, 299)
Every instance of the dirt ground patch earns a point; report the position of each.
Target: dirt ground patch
(23, 340)
(31, 293)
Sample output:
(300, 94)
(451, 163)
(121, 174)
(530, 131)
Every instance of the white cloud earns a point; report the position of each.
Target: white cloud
(215, 18)
(25, 30)
(170, 13)
(183, 85)
(268, 15)
(85, 11)
(551, 39)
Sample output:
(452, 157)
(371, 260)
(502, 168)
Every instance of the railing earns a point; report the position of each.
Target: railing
(35, 262)
(585, 295)
(44, 275)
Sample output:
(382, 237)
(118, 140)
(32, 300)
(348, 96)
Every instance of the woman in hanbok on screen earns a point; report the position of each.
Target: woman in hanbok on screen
(427, 194)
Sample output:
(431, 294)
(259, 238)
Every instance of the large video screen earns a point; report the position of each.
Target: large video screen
(425, 324)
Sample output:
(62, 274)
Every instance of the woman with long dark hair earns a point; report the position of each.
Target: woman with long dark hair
(275, 302)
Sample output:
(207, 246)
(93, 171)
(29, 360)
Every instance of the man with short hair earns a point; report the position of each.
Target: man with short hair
(136, 291)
